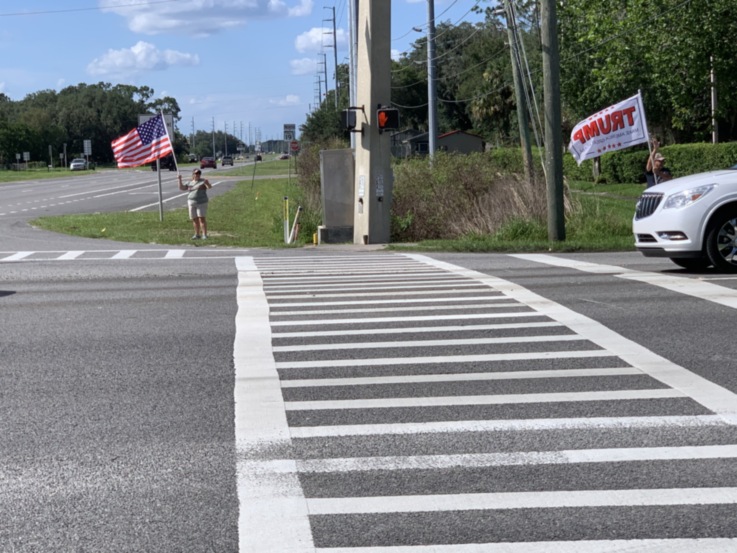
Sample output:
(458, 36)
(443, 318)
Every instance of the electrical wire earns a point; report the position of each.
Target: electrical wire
(97, 8)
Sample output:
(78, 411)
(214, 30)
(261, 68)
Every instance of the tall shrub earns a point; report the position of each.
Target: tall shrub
(456, 195)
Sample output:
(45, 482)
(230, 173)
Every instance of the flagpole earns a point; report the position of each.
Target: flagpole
(649, 142)
(158, 168)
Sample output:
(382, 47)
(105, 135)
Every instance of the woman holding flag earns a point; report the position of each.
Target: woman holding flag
(197, 202)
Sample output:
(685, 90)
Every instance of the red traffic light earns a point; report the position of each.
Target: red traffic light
(388, 118)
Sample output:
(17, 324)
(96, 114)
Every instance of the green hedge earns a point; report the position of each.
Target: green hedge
(627, 166)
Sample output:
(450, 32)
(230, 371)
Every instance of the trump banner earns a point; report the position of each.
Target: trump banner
(614, 128)
(144, 144)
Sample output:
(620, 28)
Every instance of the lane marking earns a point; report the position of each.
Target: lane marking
(690, 287)
(394, 309)
(343, 272)
(116, 255)
(522, 500)
(272, 509)
(444, 359)
(371, 286)
(384, 293)
(318, 299)
(519, 425)
(70, 255)
(505, 399)
(421, 318)
(431, 343)
(462, 377)
(17, 256)
(387, 266)
(504, 459)
(413, 330)
(700, 545)
(377, 277)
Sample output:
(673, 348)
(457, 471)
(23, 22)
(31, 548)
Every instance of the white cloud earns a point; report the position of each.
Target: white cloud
(2, 87)
(317, 38)
(304, 8)
(200, 18)
(288, 100)
(303, 66)
(140, 58)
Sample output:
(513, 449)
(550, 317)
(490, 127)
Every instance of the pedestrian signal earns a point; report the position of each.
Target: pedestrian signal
(348, 119)
(388, 118)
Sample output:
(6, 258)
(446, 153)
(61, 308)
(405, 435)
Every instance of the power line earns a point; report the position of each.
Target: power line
(98, 8)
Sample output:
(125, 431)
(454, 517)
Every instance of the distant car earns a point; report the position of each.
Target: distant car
(210, 162)
(284, 156)
(78, 164)
(258, 158)
(227, 160)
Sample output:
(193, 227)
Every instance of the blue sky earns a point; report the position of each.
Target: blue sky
(247, 64)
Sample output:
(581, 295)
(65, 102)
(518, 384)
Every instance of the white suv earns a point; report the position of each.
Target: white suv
(691, 220)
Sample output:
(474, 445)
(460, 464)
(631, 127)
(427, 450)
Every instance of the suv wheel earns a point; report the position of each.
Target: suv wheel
(721, 242)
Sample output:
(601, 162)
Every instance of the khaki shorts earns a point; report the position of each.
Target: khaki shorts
(197, 210)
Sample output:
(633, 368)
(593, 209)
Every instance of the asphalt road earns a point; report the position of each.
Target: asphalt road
(348, 399)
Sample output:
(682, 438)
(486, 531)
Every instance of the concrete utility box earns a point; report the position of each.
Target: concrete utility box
(337, 170)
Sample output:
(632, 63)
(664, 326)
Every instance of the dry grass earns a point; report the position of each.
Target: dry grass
(459, 195)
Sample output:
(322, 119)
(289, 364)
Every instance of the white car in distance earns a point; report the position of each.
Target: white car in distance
(78, 164)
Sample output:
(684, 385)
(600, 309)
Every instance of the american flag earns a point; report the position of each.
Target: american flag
(144, 144)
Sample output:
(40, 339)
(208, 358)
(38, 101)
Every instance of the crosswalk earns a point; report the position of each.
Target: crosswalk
(398, 404)
(113, 255)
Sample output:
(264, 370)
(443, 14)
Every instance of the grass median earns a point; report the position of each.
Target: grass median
(249, 215)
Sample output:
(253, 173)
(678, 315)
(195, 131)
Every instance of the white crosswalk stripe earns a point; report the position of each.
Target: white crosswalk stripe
(118, 255)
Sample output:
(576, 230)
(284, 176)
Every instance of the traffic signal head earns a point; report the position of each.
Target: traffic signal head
(348, 119)
(387, 118)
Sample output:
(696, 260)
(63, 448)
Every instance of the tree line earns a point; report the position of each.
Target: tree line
(98, 112)
(678, 53)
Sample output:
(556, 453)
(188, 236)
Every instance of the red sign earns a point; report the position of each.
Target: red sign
(294, 145)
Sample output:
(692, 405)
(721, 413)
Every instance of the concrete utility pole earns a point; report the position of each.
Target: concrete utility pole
(432, 95)
(374, 179)
(335, 53)
(553, 124)
(353, 49)
(194, 134)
